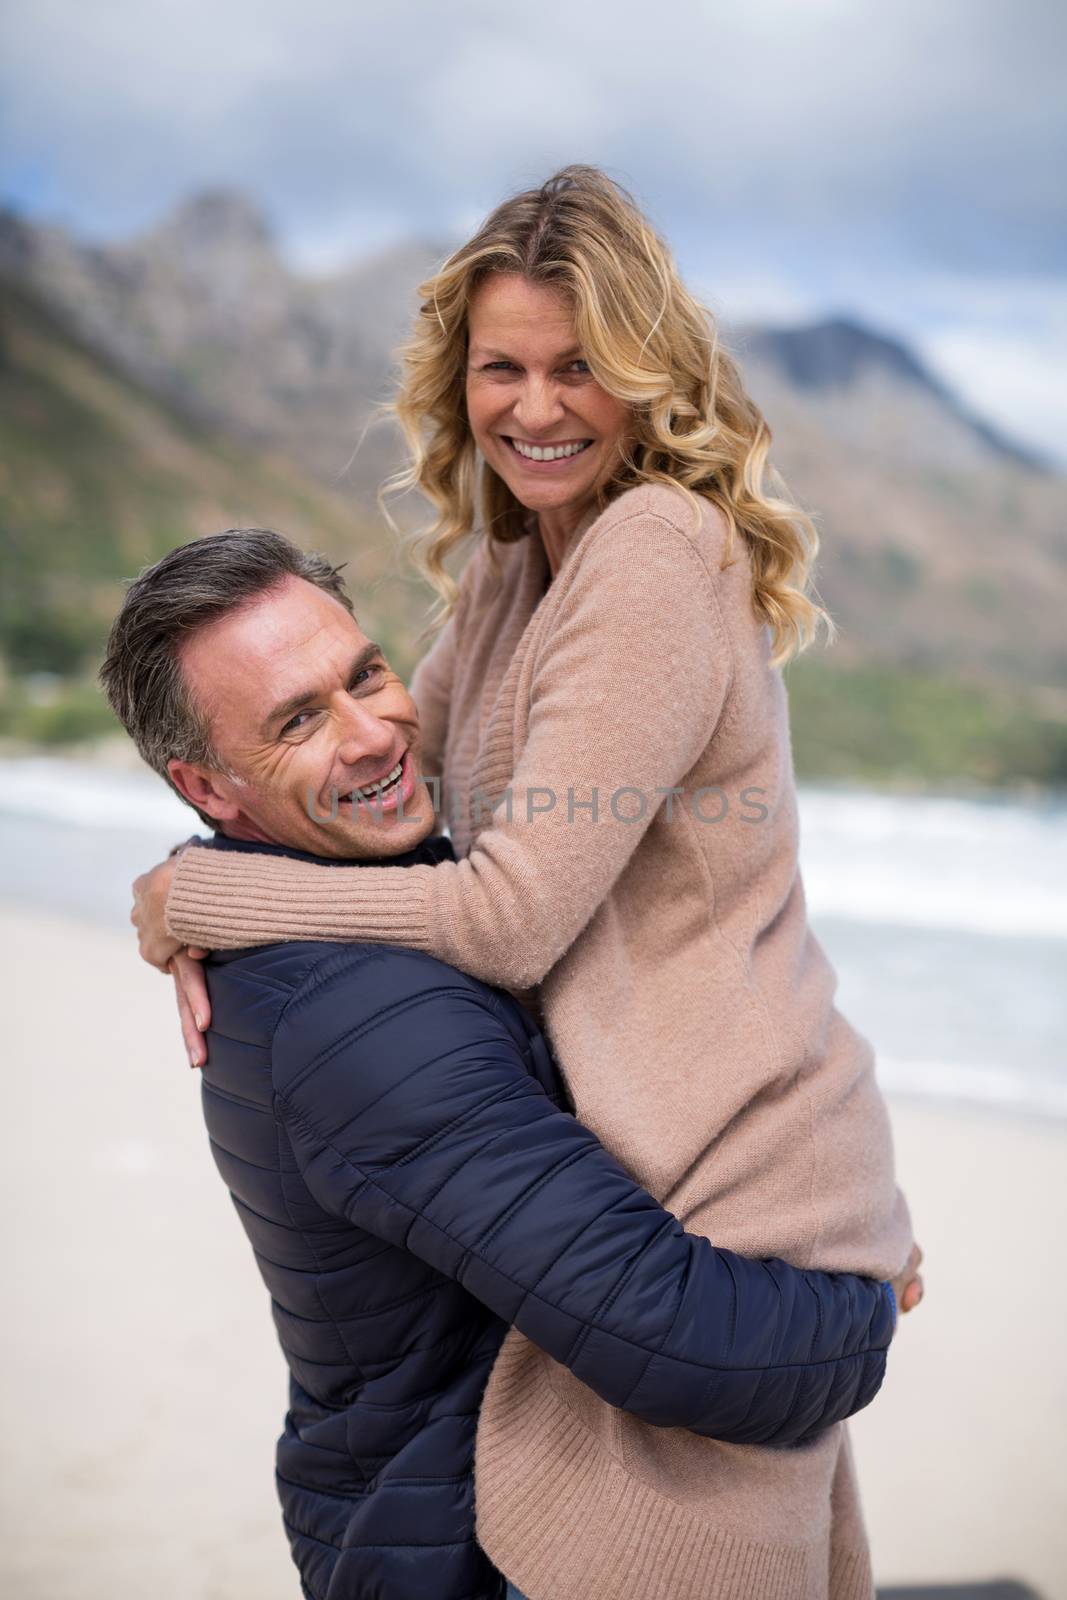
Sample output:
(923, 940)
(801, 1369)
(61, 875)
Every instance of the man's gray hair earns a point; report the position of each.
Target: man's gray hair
(195, 584)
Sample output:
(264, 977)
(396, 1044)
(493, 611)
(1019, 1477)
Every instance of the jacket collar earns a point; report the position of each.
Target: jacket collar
(432, 850)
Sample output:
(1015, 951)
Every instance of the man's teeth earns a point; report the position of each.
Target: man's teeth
(549, 452)
(372, 790)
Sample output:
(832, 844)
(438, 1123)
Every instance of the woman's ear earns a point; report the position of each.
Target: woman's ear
(204, 789)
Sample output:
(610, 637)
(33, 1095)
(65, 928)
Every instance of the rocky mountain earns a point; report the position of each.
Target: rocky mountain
(940, 551)
(99, 475)
(876, 395)
(229, 387)
(203, 310)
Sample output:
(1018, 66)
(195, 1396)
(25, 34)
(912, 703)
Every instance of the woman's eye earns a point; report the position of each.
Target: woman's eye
(499, 366)
(582, 367)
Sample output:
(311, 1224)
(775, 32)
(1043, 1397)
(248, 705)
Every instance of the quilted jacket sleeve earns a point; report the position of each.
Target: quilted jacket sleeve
(412, 1112)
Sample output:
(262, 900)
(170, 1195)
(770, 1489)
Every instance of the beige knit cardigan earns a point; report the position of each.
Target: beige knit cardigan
(689, 1005)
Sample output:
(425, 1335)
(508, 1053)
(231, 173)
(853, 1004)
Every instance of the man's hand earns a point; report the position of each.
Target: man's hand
(150, 892)
(194, 1007)
(160, 950)
(908, 1285)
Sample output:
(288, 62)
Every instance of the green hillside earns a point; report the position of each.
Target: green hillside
(99, 477)
(878, 725)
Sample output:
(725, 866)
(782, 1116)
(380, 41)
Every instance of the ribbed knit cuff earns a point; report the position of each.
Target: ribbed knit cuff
(850, 1575)
(224, 900)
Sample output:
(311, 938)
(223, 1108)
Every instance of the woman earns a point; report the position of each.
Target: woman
(608, 675)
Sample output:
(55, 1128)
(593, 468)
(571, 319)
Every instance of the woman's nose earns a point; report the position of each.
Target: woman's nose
(538, 407)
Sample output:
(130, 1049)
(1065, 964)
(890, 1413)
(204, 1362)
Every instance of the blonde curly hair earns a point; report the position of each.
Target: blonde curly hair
(648, 342)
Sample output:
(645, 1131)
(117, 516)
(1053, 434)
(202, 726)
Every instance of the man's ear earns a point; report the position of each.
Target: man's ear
(204, 789)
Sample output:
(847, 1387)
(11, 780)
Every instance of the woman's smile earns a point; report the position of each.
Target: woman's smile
(557, 453)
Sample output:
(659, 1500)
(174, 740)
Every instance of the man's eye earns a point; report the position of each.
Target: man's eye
(360, 681)
(365, 673)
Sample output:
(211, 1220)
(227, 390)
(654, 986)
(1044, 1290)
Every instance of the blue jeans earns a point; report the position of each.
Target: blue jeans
(513, 1593)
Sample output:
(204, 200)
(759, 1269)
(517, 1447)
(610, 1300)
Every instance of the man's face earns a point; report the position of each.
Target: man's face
(304, 713)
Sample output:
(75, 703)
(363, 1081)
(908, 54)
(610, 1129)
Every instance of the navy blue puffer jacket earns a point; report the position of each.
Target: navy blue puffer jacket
(397, 1145)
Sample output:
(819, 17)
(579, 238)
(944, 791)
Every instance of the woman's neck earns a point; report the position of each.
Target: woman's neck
(557, 530)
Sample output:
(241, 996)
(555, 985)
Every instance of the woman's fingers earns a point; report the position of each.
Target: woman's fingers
(908, 1285)
(912, 1295)
(194, 1010)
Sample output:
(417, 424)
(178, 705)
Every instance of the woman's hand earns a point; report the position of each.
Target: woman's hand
(168, 954)
(908, 1285)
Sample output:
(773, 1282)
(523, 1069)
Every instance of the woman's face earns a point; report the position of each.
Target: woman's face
(538, 416)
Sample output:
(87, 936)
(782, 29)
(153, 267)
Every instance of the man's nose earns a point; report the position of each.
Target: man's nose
(539, 406)
(363, 734)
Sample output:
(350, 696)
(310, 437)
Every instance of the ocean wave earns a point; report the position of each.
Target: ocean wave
(81, 795)
(1008, 1088)
(994, 867)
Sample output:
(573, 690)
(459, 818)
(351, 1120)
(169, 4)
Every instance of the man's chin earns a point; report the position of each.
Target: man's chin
(363, 834)
(375, 841)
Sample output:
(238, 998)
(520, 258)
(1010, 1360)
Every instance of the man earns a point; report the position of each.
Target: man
(394, 1134)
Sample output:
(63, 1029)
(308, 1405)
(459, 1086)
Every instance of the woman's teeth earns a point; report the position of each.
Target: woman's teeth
(373, 790)
(549, 452)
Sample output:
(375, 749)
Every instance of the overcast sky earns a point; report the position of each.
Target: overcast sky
(902, 162)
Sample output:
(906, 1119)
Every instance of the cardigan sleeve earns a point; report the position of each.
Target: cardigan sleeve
(625, 694)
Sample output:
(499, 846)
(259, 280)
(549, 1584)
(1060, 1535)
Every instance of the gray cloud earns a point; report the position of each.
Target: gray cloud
(834, 152)
(924, 131)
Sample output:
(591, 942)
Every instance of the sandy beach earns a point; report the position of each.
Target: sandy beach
(143, 1388)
